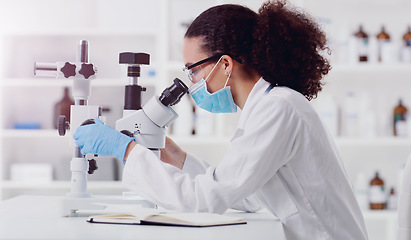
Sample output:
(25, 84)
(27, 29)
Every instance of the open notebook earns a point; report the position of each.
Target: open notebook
(172, 219)
(157, 217)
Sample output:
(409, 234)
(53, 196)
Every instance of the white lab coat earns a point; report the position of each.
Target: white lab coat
(281, 158)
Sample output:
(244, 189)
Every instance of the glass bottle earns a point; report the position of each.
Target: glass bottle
(392, 202)
(63, 107)
(193, 131)
(406, 50)
(377, 196)
(400, 124)
(383, 39)
(407, 37)
(362, 44)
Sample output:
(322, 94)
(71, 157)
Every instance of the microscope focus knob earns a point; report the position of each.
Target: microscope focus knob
(69, 70)
(87, 70)
(92, 166)
(62, 125)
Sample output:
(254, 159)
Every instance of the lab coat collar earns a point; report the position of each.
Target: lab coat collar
(253, 98)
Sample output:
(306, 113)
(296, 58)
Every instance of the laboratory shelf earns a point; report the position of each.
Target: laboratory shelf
(372, 68)
(200, 140)
(52, 133)
(338, 68)
(31, 133)
(217, 140)
(52, 82)
(84, 32)
(60, 184)
(380, 214)
(340, 141)
(35, 82)
(378, 141)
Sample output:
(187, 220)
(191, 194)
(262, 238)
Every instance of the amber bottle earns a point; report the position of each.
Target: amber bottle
(407, 37)
(382, 38)
(377, 195)
(63, 107)
(392, 202)
(193, 131)
(400, 112)
(406, 50)
(362, 44)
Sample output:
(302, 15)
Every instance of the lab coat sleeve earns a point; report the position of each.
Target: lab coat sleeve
(249, 204)
(195, 166)
(252, 159)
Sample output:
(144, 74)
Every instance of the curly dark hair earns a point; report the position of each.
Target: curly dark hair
(281, 44)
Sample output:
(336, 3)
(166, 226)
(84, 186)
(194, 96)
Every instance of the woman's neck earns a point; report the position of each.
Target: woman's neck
(242, 88)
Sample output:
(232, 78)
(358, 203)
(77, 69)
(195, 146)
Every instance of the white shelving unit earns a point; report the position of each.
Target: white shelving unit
(383, 83)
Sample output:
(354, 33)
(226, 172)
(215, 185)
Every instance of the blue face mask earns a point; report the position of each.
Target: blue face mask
(219, 102)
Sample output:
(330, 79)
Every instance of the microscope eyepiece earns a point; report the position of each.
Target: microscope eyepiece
(173, 94)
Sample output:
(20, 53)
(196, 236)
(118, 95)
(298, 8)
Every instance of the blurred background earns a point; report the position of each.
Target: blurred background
(364, 102)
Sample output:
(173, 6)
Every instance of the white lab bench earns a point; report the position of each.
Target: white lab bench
(37, 217)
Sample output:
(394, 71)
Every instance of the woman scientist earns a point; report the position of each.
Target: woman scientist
(281, 157)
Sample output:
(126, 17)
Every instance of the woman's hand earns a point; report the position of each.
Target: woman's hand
(101, 139)
(172, 154)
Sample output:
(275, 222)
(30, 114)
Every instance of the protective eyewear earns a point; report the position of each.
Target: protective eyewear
(192, 73)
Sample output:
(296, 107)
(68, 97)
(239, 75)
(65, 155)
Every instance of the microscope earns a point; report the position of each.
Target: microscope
(147, 124)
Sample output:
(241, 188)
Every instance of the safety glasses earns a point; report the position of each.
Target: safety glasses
(194, 73)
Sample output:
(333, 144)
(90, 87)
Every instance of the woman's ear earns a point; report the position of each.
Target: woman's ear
(227, 64)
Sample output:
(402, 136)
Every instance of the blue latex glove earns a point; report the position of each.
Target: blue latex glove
(101, 139)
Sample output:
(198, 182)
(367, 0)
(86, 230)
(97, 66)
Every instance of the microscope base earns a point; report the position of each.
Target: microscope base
(78, 207)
